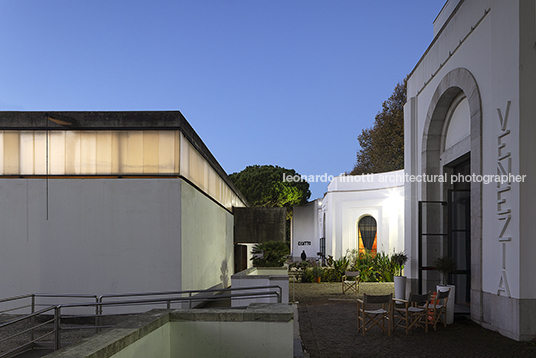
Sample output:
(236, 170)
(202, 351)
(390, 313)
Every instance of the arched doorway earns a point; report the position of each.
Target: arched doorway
(450, 214)
(367, 230)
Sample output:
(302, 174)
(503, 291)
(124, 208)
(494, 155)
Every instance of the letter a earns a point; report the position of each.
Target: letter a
(503, 285)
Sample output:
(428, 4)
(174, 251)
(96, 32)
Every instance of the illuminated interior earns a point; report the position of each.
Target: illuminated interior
(368, 235)
(111, 153)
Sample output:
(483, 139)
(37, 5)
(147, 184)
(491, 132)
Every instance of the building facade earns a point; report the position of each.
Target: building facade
(111, 202)
(470, 123)
(357, 212)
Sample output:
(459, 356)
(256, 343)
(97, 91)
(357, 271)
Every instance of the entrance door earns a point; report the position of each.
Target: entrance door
(459, 202)
(445, 229)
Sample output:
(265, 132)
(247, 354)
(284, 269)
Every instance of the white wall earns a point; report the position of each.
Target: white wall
(111, 236)
(305, 235)
(347, 200)
(207, 257)
(494, 41)
(101, 236)
(350, 198)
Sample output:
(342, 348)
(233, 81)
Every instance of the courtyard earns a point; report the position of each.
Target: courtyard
(328, 328)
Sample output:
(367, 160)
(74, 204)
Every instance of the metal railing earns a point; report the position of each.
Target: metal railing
(56, 310)
(32, 305)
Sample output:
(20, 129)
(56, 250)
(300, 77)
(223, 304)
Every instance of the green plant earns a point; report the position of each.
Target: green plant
(444, 265)
(317, 271)
(307, 276)
(399, 259)
(337, 268)
(270, 254)
(375, 267)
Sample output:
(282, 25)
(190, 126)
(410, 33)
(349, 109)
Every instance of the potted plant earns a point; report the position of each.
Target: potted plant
(399, 259)
(317, 273)
(445, 265)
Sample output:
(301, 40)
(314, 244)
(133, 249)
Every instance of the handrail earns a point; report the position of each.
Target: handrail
(33, 296)
(99, 304)
(190, 292)
(28, 345)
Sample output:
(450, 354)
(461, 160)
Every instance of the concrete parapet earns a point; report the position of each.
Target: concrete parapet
(260, 330)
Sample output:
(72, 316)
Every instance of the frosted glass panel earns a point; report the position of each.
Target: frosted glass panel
(72, 152)
(26, 152)
(151, 152)
(56, 149)
(134, 164)
(40, 152)
(111, 153)
(88, 152)
(104, 152)
(166, 152)
(1, 153)
(11, 153)
(185, 155)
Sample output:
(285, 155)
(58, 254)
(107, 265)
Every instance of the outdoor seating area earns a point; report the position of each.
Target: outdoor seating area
(388, 313)
(328, 328)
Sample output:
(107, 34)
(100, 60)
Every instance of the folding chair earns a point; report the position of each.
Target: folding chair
(411, 312)
(437, 310)
(374, 310)
(350, 285)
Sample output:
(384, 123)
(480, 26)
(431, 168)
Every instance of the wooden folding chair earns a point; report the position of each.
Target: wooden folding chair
(350, 285)
(411, 313)
(374, 310)
(437, 309)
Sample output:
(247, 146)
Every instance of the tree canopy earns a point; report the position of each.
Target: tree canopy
(263, 185)
(382, 146)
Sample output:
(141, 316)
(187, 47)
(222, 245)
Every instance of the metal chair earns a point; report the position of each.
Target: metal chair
(411, 313)
(350, 285)
(374, 310)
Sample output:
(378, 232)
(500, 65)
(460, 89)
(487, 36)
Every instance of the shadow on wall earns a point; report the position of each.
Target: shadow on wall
(224, 274)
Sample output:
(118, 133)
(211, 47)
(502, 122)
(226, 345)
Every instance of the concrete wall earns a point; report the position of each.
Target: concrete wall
(261, 330)
(154, 344)
(207, 254)
(261, 276)
(101, 236)
(231, 339)
(255, 225)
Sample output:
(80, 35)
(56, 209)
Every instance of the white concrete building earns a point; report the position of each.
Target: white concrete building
(356, 212)
(471, 115)
(111, 202)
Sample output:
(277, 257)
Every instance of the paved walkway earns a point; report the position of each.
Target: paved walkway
(328, 328)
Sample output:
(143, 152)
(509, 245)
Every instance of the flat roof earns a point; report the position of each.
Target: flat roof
(92, 120)
(112, 120)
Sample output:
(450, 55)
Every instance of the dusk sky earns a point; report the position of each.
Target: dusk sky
(282, 82)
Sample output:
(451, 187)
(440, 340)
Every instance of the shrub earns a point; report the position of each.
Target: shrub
(270, 254)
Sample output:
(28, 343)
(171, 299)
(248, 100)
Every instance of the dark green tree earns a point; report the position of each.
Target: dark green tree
(382, 146)
(264, 185)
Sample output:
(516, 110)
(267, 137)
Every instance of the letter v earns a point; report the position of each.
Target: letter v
(505, 120)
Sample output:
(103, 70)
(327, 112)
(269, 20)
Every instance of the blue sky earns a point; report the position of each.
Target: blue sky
(282, 82)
